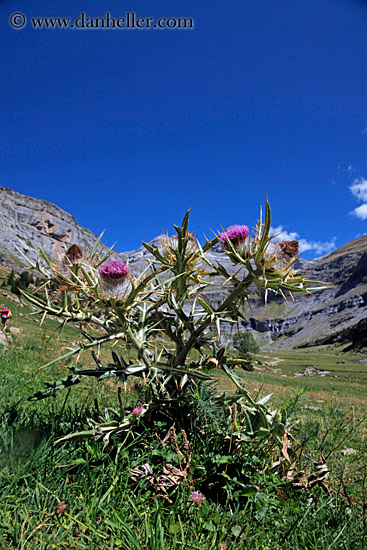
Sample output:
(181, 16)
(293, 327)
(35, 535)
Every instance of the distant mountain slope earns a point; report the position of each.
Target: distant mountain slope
(324, 316)
(335, 314)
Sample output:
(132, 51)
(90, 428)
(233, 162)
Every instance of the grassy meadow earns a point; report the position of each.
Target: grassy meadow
(307, 493)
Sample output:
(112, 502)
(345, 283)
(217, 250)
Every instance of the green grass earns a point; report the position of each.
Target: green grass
(105, 509)
(24, 318)
(344, 384)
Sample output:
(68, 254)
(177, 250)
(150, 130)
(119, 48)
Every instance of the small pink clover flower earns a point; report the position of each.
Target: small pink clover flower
(137, 411)
(197, 498)
(235, 233)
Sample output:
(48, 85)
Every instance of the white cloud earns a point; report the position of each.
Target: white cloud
(360, 212)
(359, 189)
(318, 247)
(283, 235)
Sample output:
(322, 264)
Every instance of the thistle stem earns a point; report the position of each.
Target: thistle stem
(182, 356)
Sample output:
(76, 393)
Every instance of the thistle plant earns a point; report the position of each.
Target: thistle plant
(164, 314)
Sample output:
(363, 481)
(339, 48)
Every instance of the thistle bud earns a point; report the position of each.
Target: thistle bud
(287, 250)
(190, 235)
(277, 257)
(67, 266)
(114, 279)
(74, 254)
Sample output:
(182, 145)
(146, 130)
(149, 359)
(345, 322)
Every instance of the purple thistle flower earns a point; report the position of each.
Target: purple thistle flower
(235, 233)
(137, 411)
(197, 498)
(113, 270)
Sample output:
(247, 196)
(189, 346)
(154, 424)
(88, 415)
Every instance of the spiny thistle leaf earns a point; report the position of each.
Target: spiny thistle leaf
(53, 387)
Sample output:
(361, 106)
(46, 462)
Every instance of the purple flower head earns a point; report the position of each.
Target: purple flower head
(137, 411)
(235, 233)
(197, 498)
(113, 270)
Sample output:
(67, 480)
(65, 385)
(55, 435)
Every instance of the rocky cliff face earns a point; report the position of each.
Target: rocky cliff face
(336, 314)
(25, 220)
(327, 316)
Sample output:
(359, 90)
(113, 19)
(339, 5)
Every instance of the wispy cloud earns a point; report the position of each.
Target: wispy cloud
(359, 191)
(318, 247)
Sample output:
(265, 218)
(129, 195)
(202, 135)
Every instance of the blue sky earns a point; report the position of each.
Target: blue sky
(126, 129)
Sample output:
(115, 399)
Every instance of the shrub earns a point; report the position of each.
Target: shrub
(245, 345)
(17, 283)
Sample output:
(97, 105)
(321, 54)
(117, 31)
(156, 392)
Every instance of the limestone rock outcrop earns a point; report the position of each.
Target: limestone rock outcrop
(26, 221)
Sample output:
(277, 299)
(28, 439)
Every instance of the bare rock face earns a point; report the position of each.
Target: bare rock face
(25, 221)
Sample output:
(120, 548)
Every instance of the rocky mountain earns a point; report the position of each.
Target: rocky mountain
(26, 220)
(338, 314)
